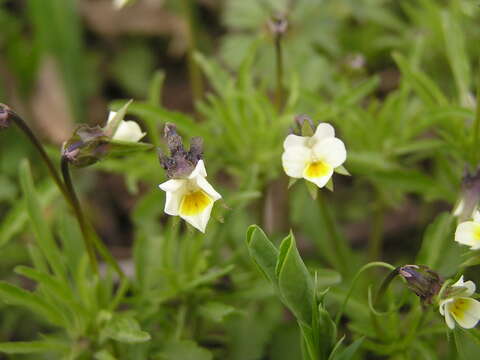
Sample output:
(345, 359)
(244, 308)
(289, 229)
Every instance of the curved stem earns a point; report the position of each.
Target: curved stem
(92, 240)
(79, 214)
(279, 71)
(22, 125)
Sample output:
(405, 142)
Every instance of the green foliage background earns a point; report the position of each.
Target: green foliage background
(397, 79)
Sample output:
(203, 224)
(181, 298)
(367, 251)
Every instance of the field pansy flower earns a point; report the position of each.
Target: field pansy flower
(468, 232)
(191, 198)
(461, 308)
(313, 158)
(123, 130)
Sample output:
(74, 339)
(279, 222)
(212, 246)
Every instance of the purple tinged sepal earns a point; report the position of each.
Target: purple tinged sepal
(423, 281)
(181, 162)
(87, 146)
(4, 116)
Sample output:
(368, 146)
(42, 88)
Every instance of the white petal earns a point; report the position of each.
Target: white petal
(111, 115)
(128, 131)
(199, 170)
(199, 221)
(172, 203)
(295, 159)
(172, 185)
(205, 186)
(457, 211)
(470, 285)
(449, 320)
(324, 131)
(466, 234)
(476, 216)
(468, 313)
(332, 151)
(295, 140)
(321, 181)
(442, 304)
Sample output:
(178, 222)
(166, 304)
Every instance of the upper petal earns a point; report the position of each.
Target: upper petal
(295, 140)
(324, 131)
(332, 151)
(295, 159)
(469, 285)
(199, 170)
(128, 131)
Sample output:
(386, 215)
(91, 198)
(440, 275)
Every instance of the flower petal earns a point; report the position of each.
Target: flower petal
(476, 216)
(465, 311)
(200, 220)
(468, 233)
(331, 151)
(324, 131)
(172, 185)
(295, 140)
(205, 186)
(172, 203)
(199, 170)
(295, 159)
(449, 320)
(128, 131)
(322, 180)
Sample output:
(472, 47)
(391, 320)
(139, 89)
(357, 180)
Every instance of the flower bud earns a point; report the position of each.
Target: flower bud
(278, 25)
(87, 146)
(423, 281)
(4, 116)
(181, 162)
(305, 126)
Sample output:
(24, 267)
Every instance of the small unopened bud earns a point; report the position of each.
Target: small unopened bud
(181, 162)
(470, 196)
(4, 116)
(423, 281)
(278, 25)
(303, 126)
(87, 146)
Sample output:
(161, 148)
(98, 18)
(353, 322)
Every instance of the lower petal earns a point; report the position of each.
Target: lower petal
(294, 160)
(466, 312)
(200, 220)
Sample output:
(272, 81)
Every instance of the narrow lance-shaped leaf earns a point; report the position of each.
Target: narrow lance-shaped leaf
(263, 252)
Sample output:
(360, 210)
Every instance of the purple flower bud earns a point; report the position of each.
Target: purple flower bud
(87, 146)
(303, 126)
(4, 116)
(181, 162)
(423, 281)
(278, 25)
(469, 197)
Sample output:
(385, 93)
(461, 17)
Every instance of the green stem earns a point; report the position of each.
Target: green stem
(22, 125)
(79, 214)
(279, 71)
(196, 81)
(376, 235)
(91, 238)
(342, 253)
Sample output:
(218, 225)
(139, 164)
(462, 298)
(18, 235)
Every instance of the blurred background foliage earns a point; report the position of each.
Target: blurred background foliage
(397, 80)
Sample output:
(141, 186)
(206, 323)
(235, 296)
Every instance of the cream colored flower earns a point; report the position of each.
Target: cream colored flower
(461, 308)
(468, 232)
(191, 198)
(313, 158)
(125, 130)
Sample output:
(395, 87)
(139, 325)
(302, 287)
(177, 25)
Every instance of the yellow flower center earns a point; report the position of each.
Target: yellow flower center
(194, 202)
(459, 308)
(476, 232)
(316, 169)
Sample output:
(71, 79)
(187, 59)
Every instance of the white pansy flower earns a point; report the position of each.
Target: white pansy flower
(191, 198)
(313, 158)
(120, 3)
(468, 232)
(461, 308)
(126, 130)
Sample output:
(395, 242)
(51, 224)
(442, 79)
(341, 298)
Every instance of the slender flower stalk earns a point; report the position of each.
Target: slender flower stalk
(79, 214)
(278, 27)
(476, 128)
(22, 125)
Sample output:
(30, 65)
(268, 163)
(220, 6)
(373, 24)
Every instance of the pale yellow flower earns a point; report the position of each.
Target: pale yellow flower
(468, 232)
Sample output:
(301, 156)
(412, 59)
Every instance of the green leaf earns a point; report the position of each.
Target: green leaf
(32, 347)
(342, 171)
(184, 350)
(216, 311)
(263, 252)
(40, 227)
(312, 189)
(118, 147)
(125, 330)
(294, 281)
(13, 295)
(350, 350)
(104, 355)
